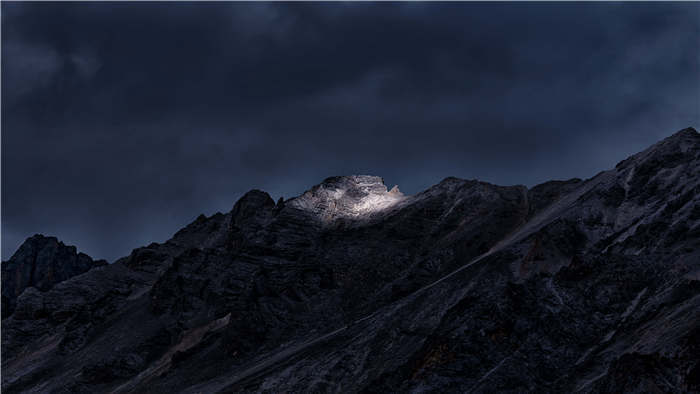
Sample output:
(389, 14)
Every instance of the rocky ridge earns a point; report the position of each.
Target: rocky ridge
(41, 262)
(570, 286)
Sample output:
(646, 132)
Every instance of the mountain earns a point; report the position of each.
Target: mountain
(40, 262)
(570, 286)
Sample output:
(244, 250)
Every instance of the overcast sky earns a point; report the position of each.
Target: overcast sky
(122, 122)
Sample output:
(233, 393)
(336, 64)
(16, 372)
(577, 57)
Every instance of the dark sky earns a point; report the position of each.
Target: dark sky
(122, 122)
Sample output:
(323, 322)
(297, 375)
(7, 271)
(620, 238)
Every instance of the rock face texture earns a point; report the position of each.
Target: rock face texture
(40, 262)
(570, 286)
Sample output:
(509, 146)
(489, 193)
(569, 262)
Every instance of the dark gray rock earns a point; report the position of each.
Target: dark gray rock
(571, 286)
(40, 262)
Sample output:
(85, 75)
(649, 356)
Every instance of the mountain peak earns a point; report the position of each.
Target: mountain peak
(682, 138)
(251, 201)
(41, 262)
(348, 196)
(687, 132)
(354, 181)
(41, 238)
(37, 243)
(682, 146)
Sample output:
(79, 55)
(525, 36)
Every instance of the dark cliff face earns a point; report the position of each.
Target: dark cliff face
(40, 262)
(581, 285)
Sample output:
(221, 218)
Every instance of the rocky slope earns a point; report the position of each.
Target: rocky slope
(570, 286)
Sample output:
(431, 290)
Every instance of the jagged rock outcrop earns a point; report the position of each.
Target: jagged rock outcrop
(40, 262)
(355, 197)
(570, 286)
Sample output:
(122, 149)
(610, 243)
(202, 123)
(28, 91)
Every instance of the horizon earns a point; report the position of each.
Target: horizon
(123, 122)
(529, 187)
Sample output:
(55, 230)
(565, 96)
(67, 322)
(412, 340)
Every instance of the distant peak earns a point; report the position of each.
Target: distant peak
(353, 179)
(40, 241)
(688, 131)
(677, 147)
(251, 202)
(42, 238)
(682, 139)
(40, 262)
(687, 134)
(349, 196)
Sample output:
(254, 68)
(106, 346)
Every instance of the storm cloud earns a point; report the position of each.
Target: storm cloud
(121, 122)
